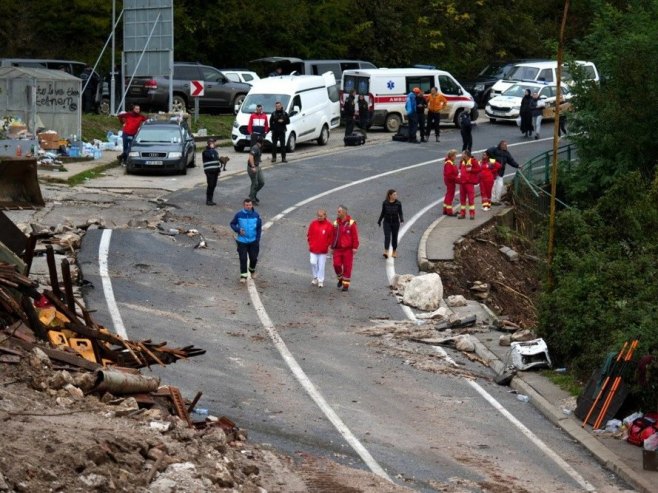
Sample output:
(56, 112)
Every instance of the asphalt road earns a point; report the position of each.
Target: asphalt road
(288, 361)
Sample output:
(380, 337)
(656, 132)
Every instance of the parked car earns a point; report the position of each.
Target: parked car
(240, 75)
(507, 106)
(220, 93)
(162, 145)
(545, 72)
(480, 88)
(297, 66)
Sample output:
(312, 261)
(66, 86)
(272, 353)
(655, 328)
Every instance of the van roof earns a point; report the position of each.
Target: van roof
(549, 64)
(283, 83)
(395, 71)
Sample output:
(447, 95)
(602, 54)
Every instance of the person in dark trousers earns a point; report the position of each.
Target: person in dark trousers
(258, 124)
(247, 225)
(537, 108)
(212, 168)
(436, 101)
(392, 217)
(364, 112)
(466, 130)
(421, 106)
(254, 170)
(503, 156)
(348, 113)
(279, 121)
(90, 80)
(526, 114)
(412, 118)
(131, 120)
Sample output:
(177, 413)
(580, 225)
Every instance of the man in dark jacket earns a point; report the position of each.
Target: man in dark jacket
(211, 166)
(503, 156)
(348, 113)
(421, 106)
(279, 121)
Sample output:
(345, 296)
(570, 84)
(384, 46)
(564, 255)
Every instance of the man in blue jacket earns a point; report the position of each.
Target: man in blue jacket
(412, 118)
(247, 225)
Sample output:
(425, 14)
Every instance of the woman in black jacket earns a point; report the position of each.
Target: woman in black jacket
(392, 217)
(526, 114)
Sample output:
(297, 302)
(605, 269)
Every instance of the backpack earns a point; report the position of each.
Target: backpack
(642, 428)
(464, 119)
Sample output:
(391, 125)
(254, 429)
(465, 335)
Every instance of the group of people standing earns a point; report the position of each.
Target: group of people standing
(416, 105)
(356, 110)
(469, 172)
(532, 112)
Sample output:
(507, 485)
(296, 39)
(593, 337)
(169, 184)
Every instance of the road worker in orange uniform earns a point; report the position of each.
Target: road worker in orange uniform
(489, 168)
(469, 176)
(450, 173)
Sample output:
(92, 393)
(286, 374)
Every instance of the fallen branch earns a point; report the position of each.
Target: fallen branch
(516, 292)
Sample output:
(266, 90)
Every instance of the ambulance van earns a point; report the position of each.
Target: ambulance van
(312, 102)
(386, 91)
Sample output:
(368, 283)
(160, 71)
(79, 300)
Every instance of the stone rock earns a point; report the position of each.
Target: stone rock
(456, 300)
(178, 477)
(126, 406)
(424, 292)
(160, 426)
(511, 255)
(505, 340)
(441, 313)
(74, 392)
(222, 476)
(138, 223)
(465, 343)
(400, 281)
(522, 335)
(94, 481)
(216, 437)
(3, 483)
(38, 358)
(59, 379)
(85, 381)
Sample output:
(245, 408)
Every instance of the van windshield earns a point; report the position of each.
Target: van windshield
(524, 73)
(267, 100)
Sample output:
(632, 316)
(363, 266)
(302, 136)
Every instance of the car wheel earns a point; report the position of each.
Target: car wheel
(237, 102)
(292, 143)
(474, 114)
(179, 105)
(393, 122)
(239, 148)
(192, 163)
(324, 136)
(104, 107)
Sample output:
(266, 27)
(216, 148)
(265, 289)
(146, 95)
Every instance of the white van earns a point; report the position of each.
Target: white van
(386, 91)
(542, 72)
(312, 101)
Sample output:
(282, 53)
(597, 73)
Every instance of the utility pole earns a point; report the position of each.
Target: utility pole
(113, 83)
(556, 126)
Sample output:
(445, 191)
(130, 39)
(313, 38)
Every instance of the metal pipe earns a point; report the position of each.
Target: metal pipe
(116, 382)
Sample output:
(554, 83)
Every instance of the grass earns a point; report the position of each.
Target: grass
(565, 381)
(96, 126)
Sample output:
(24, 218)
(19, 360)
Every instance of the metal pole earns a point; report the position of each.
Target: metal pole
(113, 83)
(556, 126)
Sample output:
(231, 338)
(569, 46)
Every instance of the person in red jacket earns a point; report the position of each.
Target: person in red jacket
(131, 121)
(258, 124)
(320, 235)
(345, 244)
(469, 176)
(450, 172)
(489, 168)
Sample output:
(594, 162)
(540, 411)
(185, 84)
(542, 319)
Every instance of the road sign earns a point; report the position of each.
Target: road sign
(196, 88)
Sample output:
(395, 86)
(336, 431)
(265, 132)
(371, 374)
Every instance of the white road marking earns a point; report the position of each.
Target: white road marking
(115, 314)
(533, 438)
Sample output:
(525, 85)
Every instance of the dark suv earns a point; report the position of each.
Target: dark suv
(480, 88)
(162, 145)
(220, 93)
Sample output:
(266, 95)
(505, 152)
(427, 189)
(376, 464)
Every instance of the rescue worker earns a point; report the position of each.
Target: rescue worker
(469, 176)
(489, 168)
(345, 244)
(211, 167)
(450, 173)
(436, 101)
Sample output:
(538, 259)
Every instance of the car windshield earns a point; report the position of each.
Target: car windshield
(524, 73)
(518, 90)
(496, 70)
(158, 135)
(267, 100)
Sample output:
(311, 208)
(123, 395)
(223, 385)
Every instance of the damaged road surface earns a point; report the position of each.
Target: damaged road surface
(306, 369)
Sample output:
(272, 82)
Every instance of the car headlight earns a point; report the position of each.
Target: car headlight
(235, 124)
(478, 87)
(175, 155)
(133, 154)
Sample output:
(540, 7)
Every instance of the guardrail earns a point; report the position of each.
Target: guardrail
(531, 186)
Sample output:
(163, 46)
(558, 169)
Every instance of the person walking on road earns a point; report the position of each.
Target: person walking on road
(392, 217)
(421, 106)
(436, 101)
(131, 120)
(348, 113)
(450, 173)
(320, 235)
(247, 225)
(469, 176)
(279, 121)
(258, 124)
(503, 156)
(412, 118)
(344, 245)
(489, 168)
(211, 167)
(254, 170)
